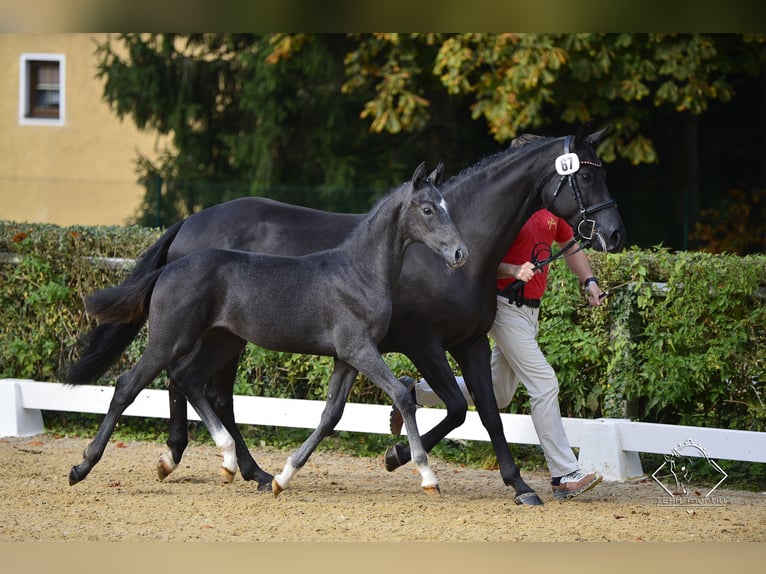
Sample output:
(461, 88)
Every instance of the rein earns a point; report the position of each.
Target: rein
(518, 283)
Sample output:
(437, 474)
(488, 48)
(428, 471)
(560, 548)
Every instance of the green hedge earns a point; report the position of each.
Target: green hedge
(682, 337)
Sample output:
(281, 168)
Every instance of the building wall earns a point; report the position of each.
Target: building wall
(78, 173)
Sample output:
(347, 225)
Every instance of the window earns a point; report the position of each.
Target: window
(41, 89)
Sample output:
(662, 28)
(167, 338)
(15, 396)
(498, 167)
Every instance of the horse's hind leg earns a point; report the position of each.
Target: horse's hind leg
(125, 392)
(218, 350)
(220, 395)
(178, 434)
(220, 435)
(341, 381)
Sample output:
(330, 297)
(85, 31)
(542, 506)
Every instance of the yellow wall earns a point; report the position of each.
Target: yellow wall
(81, 173)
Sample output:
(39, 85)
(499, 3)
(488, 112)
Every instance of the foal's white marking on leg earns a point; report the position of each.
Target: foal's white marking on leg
(225, 442)
(284, 477)
(429, 478)
(166, 465)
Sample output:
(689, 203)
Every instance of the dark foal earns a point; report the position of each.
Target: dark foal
(203, 308)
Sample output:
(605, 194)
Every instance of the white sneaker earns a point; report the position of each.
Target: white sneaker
(575, 483)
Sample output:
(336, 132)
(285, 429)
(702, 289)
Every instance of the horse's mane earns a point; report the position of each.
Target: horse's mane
(363, 225)
(518, 145)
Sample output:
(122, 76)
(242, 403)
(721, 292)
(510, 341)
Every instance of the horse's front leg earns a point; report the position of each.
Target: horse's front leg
(433, 365)
(475, 364)
(341, 381)
(375, 368)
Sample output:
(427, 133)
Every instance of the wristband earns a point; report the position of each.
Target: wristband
(588, 281)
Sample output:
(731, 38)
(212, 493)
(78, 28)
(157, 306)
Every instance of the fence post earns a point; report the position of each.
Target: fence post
(15, 420)
(601, 451)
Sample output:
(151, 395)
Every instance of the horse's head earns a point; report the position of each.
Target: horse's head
(578, 192)
(427, 218)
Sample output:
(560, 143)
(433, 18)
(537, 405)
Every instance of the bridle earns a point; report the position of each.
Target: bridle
(567, 165)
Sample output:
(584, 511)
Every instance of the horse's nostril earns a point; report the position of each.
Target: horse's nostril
(459, 255)
(615, 241)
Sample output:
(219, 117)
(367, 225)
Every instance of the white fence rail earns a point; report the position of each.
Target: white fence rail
(609, 446)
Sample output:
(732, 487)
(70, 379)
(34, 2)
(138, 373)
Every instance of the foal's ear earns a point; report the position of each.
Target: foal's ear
(417, 177)
(435, 177)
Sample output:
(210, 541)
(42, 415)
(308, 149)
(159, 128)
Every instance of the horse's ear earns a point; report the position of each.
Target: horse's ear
(595, 138)
(584, 131)
(584, 134)
(418, 176)
(435, 177)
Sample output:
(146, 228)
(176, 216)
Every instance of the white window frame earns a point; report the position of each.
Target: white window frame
(24, 64)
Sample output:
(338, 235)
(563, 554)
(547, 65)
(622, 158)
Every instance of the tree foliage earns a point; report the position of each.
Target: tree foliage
(342, 117)
(253, 114)
(523, 82)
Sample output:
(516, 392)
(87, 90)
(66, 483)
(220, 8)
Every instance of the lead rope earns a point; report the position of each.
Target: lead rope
(512, 288)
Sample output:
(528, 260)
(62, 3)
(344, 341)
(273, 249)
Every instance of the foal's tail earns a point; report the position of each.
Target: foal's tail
(121, 311)
(126, 304)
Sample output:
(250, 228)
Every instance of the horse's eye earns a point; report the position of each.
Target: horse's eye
(427, 211)
(586, 176)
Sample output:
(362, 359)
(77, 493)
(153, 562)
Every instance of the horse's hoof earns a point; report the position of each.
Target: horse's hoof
(528, 499)
(265, 486)
(228, 476)
(432, 490)
(165, 466)
(74, 476)
(276, 488)
(392, 458)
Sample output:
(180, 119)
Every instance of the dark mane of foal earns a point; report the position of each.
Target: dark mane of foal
(364, 223)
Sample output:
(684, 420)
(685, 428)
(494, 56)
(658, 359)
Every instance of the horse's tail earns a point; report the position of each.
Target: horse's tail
(105, 344)
(156, 256)
(125, 304)
(121, 311)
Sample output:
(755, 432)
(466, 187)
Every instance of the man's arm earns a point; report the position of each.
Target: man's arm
(580, 266)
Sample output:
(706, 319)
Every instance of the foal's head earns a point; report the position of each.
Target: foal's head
(427, 220)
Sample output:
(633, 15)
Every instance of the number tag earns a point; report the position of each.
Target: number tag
(567, 163)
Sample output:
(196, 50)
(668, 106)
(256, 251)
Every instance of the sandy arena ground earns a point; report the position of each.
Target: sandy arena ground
(335, 497)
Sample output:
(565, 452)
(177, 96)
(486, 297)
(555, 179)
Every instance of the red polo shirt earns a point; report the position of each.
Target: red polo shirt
(533, 243)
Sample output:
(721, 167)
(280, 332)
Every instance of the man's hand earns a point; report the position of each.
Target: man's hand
(595, 294)
(523, 272)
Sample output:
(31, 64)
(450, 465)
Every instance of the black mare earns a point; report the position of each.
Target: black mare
(490, 202)
(203, 309)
